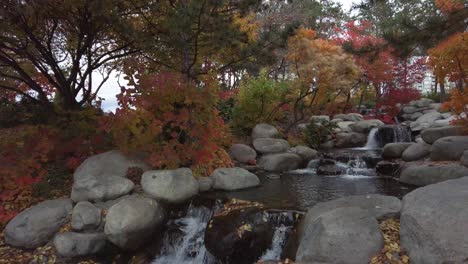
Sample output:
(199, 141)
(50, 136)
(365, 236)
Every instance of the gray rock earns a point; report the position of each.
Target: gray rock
(354, 117)
(265, 131)
(330, 169)
(270, 145)
(100, 188)
(313, 164)
(85, 216)
(366, 125)
(336, 120)
(395, 150)
(108, 164)
(378, 206)
(231, 179)
(173, 186)
(304, 152)
(133, 220)
(350, 140)
(280, 162)
(36, 225)
(327, 145)
(409, 109)
(430, 173)
(425, 121)
(434, 223)
(446, 115)
(449, 148)
(430, 135)
(242, 153)
(444, 122)
(205, 183)
(320, 119)
(428, 111)
(464, 158)
(422, 103)
(415, 116)
(343, 235)
(436, 106)
(344, 126)
(416, 151)
(72, 244)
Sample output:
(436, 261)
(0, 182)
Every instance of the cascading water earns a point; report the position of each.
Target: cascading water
(278, 243)
(372, 142)
(380, 136)
(187, 246)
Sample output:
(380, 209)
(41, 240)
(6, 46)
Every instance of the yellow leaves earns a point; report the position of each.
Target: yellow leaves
(392, 252)
(247, 24)
(242, 229)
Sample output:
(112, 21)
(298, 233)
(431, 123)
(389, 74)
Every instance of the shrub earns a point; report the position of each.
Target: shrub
(259, 100)
(172, 121)
(316, 134)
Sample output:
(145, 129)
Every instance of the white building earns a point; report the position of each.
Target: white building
(428, 84)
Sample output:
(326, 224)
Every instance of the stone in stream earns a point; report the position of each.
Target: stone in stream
(449, 148)
(366, 125)
(205, 183)
(72, 244)
(304, 152)
(242, 153)
(85, 216)
(173, 186)
(36, 225)
(231, 179)
(350, 140)
(270, 145)
(388, 168)
(395, 150)
(425, 121)
(280, 162)
(342, 235)
(430, 135)
(132, 221)
(265, 131)
(102, 177)
(430, 173)
(416, 151)
(434, 223)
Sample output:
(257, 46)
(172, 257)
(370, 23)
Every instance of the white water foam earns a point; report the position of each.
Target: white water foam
(279, 240)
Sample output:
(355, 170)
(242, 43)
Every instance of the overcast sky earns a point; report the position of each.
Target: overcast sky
(111, 87)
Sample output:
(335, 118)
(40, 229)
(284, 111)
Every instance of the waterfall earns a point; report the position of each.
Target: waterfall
(372, 142)
(279, 240)
(187, 245)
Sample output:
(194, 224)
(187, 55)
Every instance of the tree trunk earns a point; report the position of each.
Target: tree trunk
(442, 91)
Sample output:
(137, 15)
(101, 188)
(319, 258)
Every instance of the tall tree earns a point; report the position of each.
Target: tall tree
(63, 42)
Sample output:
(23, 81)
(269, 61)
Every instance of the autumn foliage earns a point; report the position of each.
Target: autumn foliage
(173, 122)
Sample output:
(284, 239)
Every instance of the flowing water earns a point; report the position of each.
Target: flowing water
(296, 190)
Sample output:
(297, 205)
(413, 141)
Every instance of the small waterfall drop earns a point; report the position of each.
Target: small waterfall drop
(372, 142)
(277, 245)
(187, 245)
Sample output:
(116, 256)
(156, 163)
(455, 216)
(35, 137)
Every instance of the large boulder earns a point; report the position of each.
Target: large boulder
(205, 183)
(36, 225)
(410, 109)
(131, 221)
(270, 145)
(319, 119)
(422, 103)
(388, 168)
(415, 116)
(102, 177)
(395, 150)
(108, 164)
(378, 206)
(425, 121)
(173, 186)
(449, 148)
(343, 235)
(85, 216)
(434, 223)
(265, 131)
(304, 152)
(344, 126)
(280, 162)
(430, 173)
(430, 135)
(100, 188)
(444, 122)
(72, 244)
(350, 140)
(416, 151)
(366, 125)
(231, 179)
(242, 153)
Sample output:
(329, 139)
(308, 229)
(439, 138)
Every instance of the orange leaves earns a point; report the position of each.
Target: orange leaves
(450, 58)
(449, 6)
(458, 104)
(171, 120)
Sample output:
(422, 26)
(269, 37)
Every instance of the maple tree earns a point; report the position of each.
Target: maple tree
(325, 73)
(450, 6)
(173, 121)
(450, 59)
